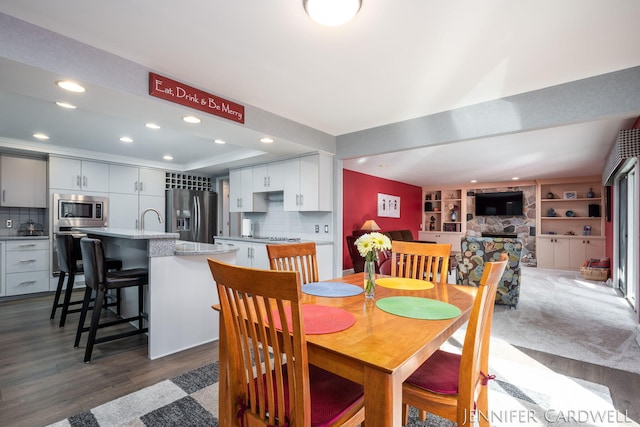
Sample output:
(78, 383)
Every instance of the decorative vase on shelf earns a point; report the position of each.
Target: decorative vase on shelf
(453, 215)
(369, 279)
(590, 194)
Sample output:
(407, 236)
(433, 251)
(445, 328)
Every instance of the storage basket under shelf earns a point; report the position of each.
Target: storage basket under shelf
(590, 273)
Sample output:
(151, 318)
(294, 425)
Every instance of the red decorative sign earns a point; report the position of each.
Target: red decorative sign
(171, 90)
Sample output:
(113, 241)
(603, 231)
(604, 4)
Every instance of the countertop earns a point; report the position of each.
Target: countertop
(271, 242)
(184, 248)
(127, 233)
(24, 237)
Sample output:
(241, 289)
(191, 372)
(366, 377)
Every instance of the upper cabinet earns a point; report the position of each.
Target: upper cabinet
(131, 191)
(78, 175)
(268, 177)
(308, 183)
(23, 181)
(241, 197)
(134, 180)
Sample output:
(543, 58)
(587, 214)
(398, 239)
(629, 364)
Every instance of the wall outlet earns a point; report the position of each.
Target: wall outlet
(317, 228)
(326, 228)
(9, 223)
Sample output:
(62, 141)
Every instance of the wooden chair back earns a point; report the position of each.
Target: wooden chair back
(424, 261)
(472, 396)
(300, 257)
(248, 298)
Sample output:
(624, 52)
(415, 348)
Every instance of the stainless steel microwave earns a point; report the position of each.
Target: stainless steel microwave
(77, 210)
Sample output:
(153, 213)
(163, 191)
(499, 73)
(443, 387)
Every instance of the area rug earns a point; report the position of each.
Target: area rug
(561, 313)
(519, 395)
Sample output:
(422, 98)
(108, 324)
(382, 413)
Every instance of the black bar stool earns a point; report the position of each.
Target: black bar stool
(70, 263)
(97, 279)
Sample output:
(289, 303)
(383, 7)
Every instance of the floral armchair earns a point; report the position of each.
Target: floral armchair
(476, 251)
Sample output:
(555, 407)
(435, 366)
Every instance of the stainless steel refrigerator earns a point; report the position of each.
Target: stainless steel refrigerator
(192, 214)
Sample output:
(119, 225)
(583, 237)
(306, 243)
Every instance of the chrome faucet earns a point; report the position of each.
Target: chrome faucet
(142, 217)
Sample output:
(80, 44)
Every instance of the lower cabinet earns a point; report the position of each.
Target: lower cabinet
(250, 254)
(568, 252)
(26, 266)
(441, 237)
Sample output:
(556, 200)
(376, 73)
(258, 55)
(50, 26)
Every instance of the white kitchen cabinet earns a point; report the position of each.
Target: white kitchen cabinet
(241, 196)
(3, 247)
(308, 183)
(23, 181)
(78, 175)
(132, 190)
(26, 266)
(250, 254)
(268, 177)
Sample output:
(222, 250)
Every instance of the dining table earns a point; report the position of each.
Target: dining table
(380, 349)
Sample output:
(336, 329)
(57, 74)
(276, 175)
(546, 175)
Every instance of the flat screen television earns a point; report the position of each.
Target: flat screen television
(502, 203)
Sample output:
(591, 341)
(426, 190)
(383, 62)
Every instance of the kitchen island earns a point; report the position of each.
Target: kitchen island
(181, 290)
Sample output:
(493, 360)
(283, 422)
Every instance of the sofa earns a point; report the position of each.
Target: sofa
(358, 261)
(476, 251)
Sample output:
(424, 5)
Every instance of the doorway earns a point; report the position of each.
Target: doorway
(626, 226)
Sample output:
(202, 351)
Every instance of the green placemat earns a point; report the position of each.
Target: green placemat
(418, 308)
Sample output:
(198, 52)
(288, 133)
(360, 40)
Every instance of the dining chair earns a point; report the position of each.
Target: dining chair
(420, 261)
(454, 386)
(300, 257)
(269, 376)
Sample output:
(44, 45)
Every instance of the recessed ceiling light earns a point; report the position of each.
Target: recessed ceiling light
(65, 105)
(474, 181)
(515, 178)
(40, 136)
(266, 140)
(126, 139)
(70, 86)
(219, 141)
(167, 157)
(191, 119)
(152, 126)
(332, 12)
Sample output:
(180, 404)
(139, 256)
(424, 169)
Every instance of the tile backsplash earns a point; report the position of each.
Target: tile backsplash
(22, 216)
(279, 223)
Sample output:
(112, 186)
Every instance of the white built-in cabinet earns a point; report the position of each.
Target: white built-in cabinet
(131, 191)
(308, 183)
(268, 177)
(78, 176)
(23, 181)
(250, 254)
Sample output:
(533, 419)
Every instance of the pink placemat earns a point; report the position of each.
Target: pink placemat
(318, 319)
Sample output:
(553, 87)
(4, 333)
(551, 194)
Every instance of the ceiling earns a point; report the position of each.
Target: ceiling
(395, 61)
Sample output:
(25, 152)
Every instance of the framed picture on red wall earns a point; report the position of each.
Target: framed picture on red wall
(388, 205)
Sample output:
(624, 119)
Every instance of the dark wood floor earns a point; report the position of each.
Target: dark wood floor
(43, 378)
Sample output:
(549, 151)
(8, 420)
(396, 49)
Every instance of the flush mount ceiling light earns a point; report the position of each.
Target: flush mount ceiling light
(266, 140)
(65, 105)
(40, 136)
(191, 119)
(70, 86)
(332, 13)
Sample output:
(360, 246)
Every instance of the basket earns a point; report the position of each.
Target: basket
(599, 274)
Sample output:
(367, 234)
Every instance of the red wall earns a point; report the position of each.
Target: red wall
(360, 200)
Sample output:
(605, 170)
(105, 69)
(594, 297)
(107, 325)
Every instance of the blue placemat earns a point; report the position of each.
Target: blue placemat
(331, 289)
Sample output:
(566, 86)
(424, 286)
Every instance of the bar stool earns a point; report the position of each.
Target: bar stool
(70, 263)
(97, 279)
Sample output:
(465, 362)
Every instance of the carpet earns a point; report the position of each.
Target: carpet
(520, 395)
(561, 313)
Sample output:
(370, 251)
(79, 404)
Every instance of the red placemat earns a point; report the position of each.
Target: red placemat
(318, 319)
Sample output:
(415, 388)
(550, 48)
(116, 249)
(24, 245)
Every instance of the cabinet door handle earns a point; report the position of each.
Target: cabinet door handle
(268, 181)
(78, 181)
(3, 191)
(27, 260)
(84, 181)
(28, 282)
(27, 245)
(135, 187)
(141, 186)
(302, 200)
(264, 182)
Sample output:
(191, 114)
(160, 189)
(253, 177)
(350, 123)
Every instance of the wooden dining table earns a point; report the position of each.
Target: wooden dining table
(379, 351)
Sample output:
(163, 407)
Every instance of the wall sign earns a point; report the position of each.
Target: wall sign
(171, 90)
(388, 205)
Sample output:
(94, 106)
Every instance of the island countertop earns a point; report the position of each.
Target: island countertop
(127, 233)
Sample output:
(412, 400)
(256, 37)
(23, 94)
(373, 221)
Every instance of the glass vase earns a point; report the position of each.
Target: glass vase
(453, 216)
(369, 279)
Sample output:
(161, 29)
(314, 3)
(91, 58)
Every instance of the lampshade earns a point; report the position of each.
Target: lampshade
(332, 12)
(370, 225)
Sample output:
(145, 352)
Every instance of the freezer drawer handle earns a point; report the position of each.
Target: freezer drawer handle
(28, 282)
